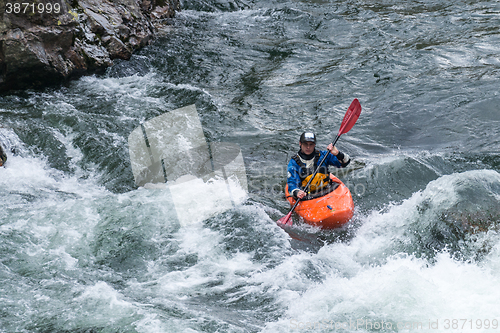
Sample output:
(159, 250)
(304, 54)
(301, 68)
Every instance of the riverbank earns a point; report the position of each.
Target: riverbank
(43, 44)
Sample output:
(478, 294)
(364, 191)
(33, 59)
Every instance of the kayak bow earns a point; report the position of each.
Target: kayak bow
(329, 211)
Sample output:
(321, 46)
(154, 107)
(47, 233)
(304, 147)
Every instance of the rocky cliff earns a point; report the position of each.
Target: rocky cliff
(49, 41)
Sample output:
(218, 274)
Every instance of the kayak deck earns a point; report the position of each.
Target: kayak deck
(329, 211)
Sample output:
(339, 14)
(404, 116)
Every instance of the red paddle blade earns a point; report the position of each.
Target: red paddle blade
(351, 116)
(286, 220)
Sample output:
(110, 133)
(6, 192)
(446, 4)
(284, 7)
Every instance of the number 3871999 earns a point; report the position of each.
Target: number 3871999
(32, 8)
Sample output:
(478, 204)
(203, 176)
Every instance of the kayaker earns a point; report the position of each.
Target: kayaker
(302, 166)
(3, 156)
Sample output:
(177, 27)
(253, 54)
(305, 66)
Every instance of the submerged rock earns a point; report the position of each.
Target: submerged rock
(3, 156)
(50, 42)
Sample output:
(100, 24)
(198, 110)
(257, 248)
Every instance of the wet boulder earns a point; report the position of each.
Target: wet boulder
(49, 43)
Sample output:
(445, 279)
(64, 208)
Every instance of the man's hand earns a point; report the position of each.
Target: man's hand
(332, 149)
(301, 194)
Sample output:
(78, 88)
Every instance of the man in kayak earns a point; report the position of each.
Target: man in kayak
(3, 156)
(302, 166)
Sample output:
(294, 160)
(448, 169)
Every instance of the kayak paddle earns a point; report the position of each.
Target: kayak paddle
(350, 118)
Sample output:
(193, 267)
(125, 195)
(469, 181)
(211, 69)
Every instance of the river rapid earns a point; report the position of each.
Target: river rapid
(84, 249)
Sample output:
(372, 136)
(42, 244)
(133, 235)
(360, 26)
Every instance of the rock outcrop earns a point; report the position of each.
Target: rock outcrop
(50, 41)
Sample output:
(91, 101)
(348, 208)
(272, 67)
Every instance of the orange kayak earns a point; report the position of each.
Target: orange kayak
(329, 211)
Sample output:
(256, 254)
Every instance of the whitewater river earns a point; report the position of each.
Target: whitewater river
(84, 249)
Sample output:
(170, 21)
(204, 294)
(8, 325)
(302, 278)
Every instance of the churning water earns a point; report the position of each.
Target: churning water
(84, 249)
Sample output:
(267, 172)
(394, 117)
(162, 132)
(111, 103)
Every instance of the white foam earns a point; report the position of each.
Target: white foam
(404, 290)
(197, 200)
(100, 305)
(362, 280)
(27, 172)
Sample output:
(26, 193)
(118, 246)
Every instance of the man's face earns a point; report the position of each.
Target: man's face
(307, 147)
